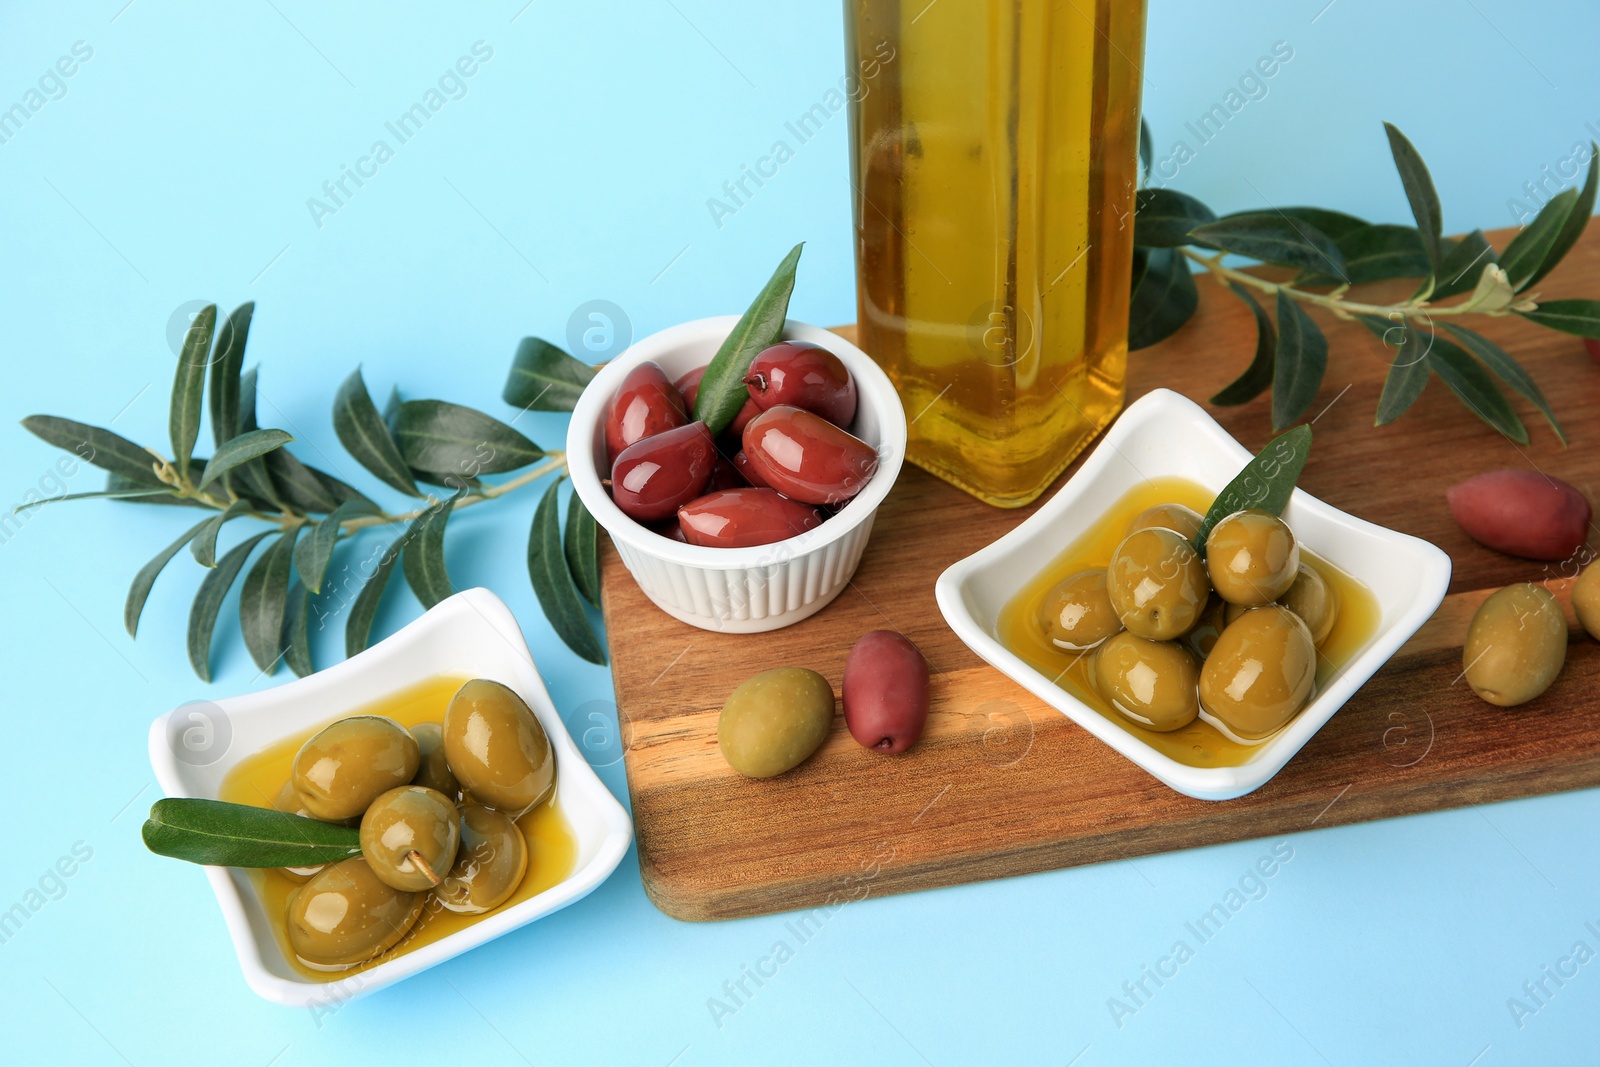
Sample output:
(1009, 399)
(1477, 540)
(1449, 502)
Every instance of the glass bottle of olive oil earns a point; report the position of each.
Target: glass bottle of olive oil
(994, 160)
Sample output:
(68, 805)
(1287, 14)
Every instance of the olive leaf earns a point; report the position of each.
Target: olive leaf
(1579, 317)
(722, 390)
(1420, 193)
(1147, 148)
(1266, 483)
(444, 438)
(358, 626)
(314, 552)
(552, 581)
(188, 387)
(544, 377)
(1298, 365)
(239, 450)
(1526, 253)
(1408, 371)
(582, 552)
(1463, 265)
(204, 545)
(1273, 238)
(1163, 218)
(1254, 381)
(133, 492)
(362, 432)
(1376, 253)
(1502, 366)
(145, 580)
(91, 444)
(1165, 299)
(1577, 220)
(264, 601)
(219, 834)
(227, 364)
(422, 558)
(296, 632)
(1336, 224)
(1473, 386)
(208, 603)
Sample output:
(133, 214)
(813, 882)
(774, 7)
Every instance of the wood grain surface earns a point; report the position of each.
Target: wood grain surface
(1001, 784)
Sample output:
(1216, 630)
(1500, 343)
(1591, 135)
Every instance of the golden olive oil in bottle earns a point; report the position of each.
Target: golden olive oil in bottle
(994, 161)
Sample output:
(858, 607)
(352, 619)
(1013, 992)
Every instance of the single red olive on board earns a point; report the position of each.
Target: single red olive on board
(1521, 513)
(885, 692)
(688, 387)
(740, 518)
(807, 458)
(742, 463)
(652, 477)
(646, 404)
(804, 376)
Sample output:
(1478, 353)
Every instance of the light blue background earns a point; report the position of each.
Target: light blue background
(177, 166)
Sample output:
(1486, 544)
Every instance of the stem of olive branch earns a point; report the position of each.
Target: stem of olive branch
(1333, 301)
(554, 461)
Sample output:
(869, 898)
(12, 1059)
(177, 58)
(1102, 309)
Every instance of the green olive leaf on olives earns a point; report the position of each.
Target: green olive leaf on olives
(722, 390)
(220, 834)
(1265, 484)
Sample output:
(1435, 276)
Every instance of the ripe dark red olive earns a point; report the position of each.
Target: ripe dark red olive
(688, 387)
(646, 404)
(739, 518)
(804, 376)
(885, 692)
(741, 462)
(652, 477)
(807, 458)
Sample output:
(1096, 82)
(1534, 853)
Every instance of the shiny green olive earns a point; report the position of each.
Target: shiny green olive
(1516, 645)
(1586, 599)
(409, 837)
(1077, 614)
(1261, 672)
(1203, 637)
(1313, 599)
(774, 720)
(1151, 682)
(346, 915)
(344, 767)
(1185, 521)
(489, 866)
(1157, 584)
(497, 749)
(434, 769)
(1252, 558)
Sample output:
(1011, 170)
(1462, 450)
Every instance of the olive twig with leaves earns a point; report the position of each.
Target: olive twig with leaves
(1332, 251)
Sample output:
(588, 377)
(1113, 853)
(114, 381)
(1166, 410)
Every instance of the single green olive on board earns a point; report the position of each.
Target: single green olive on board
(774, 720)
(347, 915)
(1157, 584)
(1313, 599)
(409, 837)
(344, 767)
(1252, 558)
(1169, 517)
(489, 865)
(1077, 614)
(1260, 673)
(434, 769)
(1154, 683)
(1516, 645)
(497, 749)
(1586, 599)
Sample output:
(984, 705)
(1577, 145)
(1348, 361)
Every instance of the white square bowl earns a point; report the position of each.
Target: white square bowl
(1164, 434)
(473, 634)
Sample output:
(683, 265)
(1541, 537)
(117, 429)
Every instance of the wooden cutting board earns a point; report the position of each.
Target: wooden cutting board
(1001, 784)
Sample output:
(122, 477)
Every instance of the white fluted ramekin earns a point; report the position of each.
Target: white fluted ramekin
(738, 590)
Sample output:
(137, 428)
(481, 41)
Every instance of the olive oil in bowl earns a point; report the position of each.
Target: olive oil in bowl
(257, 780)
(1198, 744)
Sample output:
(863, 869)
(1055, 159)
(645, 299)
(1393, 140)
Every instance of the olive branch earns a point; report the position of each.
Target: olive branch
(1332, 252)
